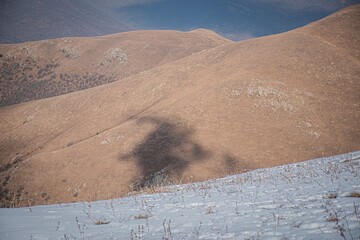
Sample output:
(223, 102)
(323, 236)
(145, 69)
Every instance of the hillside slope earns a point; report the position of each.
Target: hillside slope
(239, 106)
(317, 199)
(35, 70)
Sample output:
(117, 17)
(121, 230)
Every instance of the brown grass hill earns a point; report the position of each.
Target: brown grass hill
(36, 70)
(252, 104)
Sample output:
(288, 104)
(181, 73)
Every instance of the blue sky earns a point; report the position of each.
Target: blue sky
(235, 19)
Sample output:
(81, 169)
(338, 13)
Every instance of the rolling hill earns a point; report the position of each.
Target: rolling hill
(35, 70)
(226, 109)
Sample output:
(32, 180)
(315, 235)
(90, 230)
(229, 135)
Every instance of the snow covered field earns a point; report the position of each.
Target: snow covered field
(317, 199)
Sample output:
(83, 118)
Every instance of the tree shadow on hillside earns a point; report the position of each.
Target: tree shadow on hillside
(165, 153)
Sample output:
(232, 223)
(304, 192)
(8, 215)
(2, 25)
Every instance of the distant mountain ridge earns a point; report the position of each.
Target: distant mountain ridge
(29, 20)
(23, 20)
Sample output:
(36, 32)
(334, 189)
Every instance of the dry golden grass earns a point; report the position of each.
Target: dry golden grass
(354, 195)
(233, 106)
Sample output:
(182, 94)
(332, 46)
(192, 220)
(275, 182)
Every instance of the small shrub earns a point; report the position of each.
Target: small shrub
(354, 195)
(142, 216)
(116, 54)
(331, 196)
(101, 222)
(154, 181)
(332, 219)
(69, 52)
(210, 210)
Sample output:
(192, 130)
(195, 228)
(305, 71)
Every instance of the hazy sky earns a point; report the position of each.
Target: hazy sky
(236, 19)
